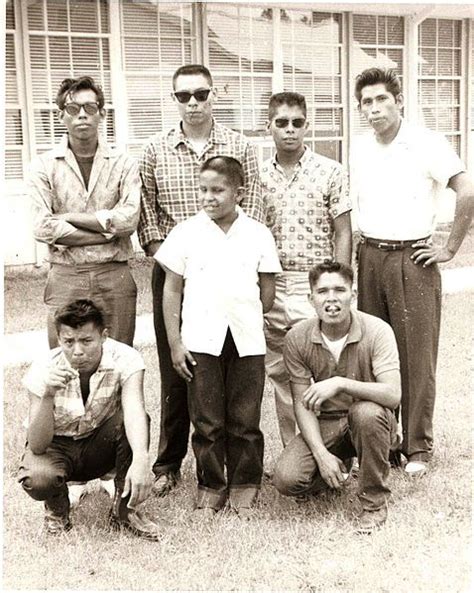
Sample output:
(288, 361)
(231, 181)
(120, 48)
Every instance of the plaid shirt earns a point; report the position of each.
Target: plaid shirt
(71, 417)
(56, 186)
(300, 210)
(170, 179)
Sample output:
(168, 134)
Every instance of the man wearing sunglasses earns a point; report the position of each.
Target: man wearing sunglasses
(86, 201)
(170, 167)
(308, 212)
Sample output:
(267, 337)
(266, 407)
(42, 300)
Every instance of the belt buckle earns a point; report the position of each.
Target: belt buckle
(386, 246)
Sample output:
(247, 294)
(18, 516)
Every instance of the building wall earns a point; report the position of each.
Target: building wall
(132, 47)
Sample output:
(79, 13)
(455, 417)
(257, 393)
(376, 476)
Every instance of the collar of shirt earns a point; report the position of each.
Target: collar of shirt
(355, 331)
(177, 136)
(106, 361)
(236, 225)
(302, 161)
(62, 150)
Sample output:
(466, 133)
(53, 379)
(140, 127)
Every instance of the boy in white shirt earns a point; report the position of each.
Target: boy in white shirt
(220, 267)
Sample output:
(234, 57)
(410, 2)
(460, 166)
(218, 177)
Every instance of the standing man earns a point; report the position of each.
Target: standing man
(87, 417)
(86, 201)
(345, 380)
(396, 173)
(308, 212)
(170, 174)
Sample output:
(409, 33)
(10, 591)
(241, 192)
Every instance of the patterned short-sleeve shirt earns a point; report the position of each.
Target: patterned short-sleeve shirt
(71, 417)
(300, 211)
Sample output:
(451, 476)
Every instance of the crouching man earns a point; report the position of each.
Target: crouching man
(87, 417)
(345, 382)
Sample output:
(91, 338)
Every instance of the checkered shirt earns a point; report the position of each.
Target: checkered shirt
(301, 210)
(169, 169)
(71, 417)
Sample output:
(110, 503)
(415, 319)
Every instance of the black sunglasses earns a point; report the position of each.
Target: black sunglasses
(75, 108)
(284, 122)
(200, 95)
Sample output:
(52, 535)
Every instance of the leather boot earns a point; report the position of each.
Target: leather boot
(56, 513)
(121, 517)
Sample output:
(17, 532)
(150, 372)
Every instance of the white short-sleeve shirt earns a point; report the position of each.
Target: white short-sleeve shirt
(221, 289)
(395, 186)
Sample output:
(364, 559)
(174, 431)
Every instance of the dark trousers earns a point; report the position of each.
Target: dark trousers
(225, 397)
(110, 285)
(408, 297)
(368, 431)
(174, 421)
(44, 476)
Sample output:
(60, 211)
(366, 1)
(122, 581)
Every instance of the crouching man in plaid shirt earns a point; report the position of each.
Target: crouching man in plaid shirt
(87, 417)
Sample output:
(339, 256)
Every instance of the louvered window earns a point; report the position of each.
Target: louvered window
(312, 65)
(240, 39)
(439, 77)
(157, 38)
(378, 41)
(67, 38)
(13, 114)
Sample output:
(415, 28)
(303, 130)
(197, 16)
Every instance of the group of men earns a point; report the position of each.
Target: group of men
(339, 375)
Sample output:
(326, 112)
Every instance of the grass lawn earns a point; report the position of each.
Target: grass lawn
(29, 312)
(424, 546)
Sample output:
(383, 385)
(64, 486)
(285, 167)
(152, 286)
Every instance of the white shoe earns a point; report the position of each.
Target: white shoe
(76, 493)
(108, 486)
(416, 469)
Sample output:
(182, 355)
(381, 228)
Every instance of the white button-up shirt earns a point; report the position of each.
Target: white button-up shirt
(395, 186)
(221, 283)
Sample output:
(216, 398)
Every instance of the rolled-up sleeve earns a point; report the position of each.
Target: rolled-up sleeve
(46, 228)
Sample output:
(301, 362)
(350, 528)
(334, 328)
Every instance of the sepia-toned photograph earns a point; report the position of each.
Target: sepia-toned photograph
(238, 296)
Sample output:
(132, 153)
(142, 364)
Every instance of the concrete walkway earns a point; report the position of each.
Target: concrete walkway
(24, 346)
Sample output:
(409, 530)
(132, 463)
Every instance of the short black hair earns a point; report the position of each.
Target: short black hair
(286, 98)
(70, 86)
(330, 267)
(371, 76)
(192, 70)
(77, 313)
(228, 166)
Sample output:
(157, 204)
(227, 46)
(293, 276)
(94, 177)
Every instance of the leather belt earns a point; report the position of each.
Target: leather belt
(386, 245)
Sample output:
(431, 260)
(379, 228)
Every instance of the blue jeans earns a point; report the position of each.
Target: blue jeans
(368, 431)
(225, 397)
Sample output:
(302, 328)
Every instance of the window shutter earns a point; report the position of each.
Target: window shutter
(439, 77)
(312, 66)
(157, 37)
(241, 62)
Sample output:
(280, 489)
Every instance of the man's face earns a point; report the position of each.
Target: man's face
(82, 126)
(288, 127)
(218, 197)
(332, 296)
(82, 346)
(194, 112)
(380, 108)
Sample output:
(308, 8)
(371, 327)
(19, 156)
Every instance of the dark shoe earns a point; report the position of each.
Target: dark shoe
(371, 520)
(164, 483)
(122, 517)
(397, 459)
(56, 513)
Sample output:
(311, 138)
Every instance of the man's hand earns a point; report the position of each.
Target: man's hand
(428, 254)
(58, 378)
(138, 481)
(331, 468)
(319, 392)
(180, 356)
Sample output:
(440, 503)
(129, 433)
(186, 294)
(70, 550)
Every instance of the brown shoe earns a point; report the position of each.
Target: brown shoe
(371, 520)
(56, 514)
(164, 483)
(122, 517)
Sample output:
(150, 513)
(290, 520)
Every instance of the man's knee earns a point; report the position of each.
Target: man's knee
(367, 416)
(41, 482)
(288, 478)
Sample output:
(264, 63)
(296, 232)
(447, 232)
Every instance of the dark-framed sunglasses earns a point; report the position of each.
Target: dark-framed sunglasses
(74, 108)
(200, 95)
(284, 122)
